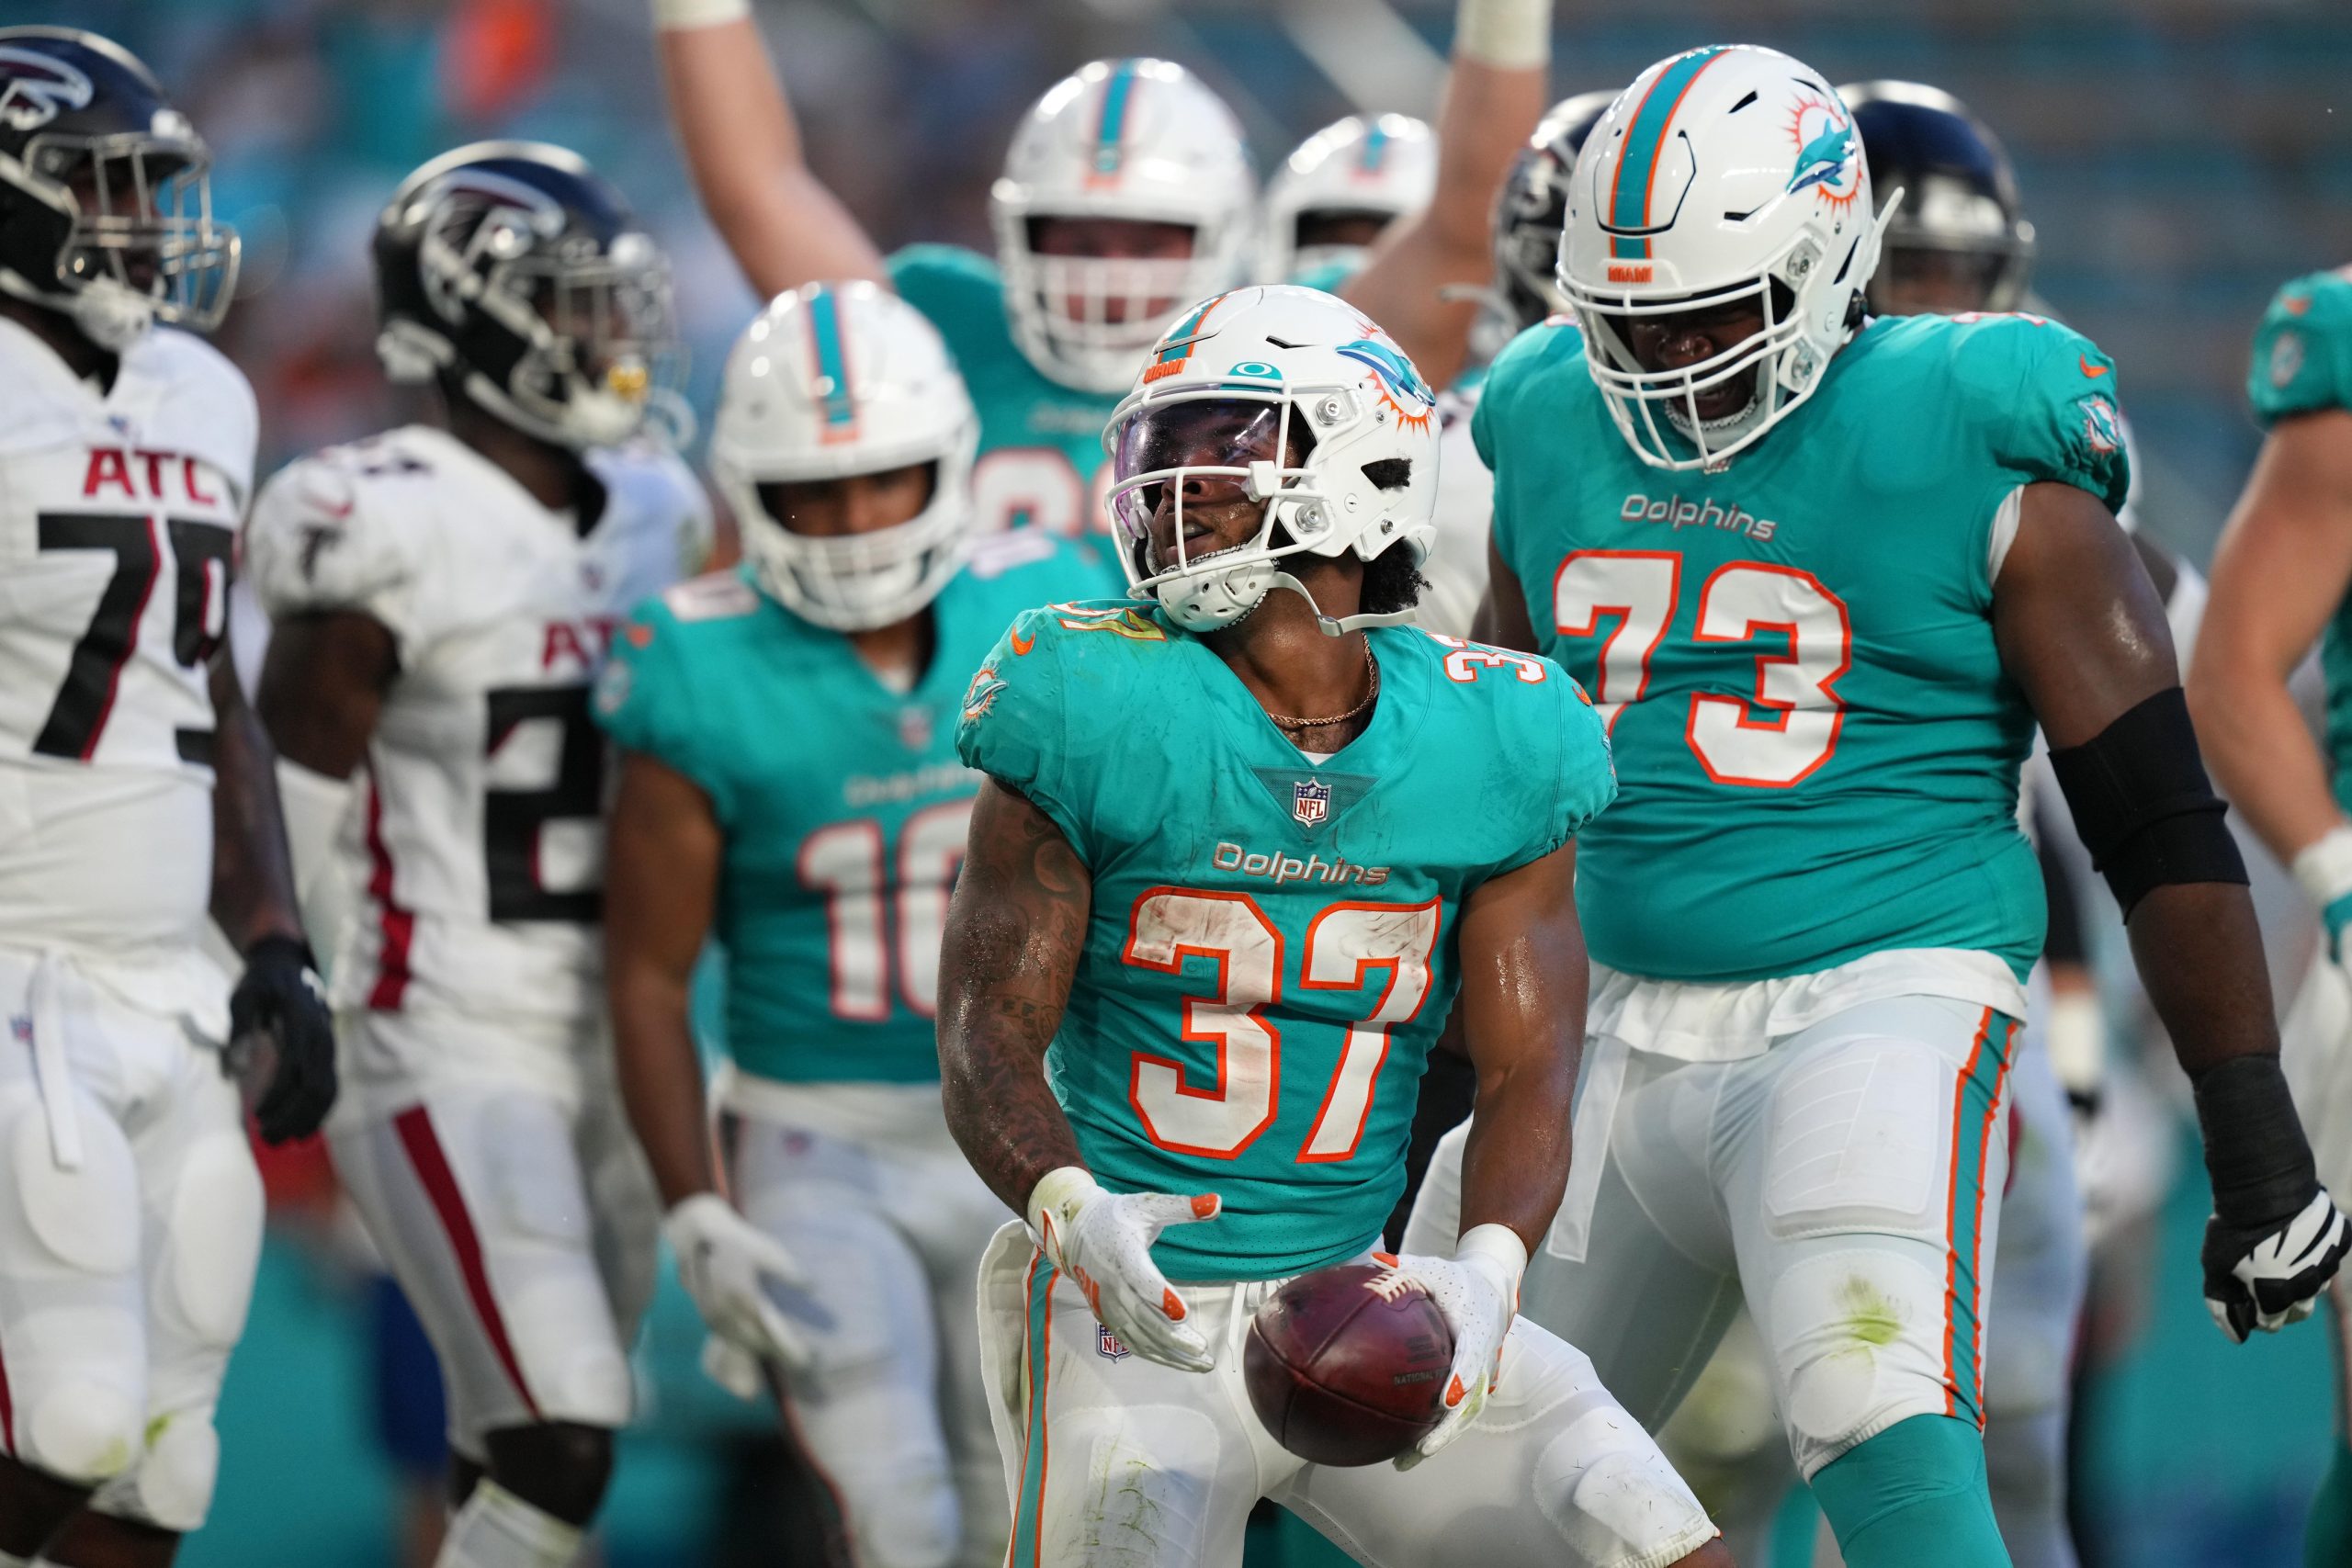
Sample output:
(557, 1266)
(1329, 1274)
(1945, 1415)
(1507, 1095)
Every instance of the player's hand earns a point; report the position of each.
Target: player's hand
(281, 1039)
(1102, 1241)
(2271, 1279)
(726, 1264)
(1476, 1292)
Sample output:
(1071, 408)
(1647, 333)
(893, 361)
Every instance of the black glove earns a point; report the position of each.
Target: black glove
(279, 1004)
(2269, 1278)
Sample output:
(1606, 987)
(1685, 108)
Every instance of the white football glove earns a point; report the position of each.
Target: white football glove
(1102, 1241)
(2269, 1282)
(1476, 1292)
(726, 1264)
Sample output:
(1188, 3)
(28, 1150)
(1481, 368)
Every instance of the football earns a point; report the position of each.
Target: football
(1347, 1365)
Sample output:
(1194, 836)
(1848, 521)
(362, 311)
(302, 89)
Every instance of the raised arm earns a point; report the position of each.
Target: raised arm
(1016, 929)
(742, 147)
(1496, 89)
(2282, 567)
(2081, 629)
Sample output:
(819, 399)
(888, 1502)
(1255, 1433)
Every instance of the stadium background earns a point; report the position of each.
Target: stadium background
(2179, 159)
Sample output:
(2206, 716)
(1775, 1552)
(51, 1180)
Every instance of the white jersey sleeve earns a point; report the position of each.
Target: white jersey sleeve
(350, 528)
(1456, 567)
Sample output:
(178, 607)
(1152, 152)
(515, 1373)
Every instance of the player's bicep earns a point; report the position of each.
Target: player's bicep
(1015, 925)
(1525, 971)
(663, 849)
(323, 685)
(2285, 557)
(2079, 625)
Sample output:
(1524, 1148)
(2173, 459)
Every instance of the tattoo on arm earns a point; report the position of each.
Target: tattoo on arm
(1016, 929)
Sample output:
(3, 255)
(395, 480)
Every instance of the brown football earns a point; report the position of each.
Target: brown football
(1342, 1372)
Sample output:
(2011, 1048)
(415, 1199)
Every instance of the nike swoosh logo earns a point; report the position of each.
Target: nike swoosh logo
(1022, 645)
(2093, 371)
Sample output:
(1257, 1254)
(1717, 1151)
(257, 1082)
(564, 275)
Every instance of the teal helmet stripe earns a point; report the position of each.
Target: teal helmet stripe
(832, 365)
(1374, 151)
(1111, 128)
(1629, 193)
(1179, 338)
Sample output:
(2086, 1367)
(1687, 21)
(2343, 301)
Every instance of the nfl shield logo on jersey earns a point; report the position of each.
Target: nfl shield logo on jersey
(1310, 801)
(1108, 1345)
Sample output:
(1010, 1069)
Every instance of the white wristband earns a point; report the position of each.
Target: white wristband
(1510, 35)
(2323, 867)
(1499, 1245)
(677, 15)
(1061, 1192)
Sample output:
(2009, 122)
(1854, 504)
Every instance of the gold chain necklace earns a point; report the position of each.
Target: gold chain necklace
(1370, 663)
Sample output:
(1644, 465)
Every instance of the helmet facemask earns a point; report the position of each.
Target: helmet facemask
(1089, 320)
(572, 342)
(859, 581)
(139, 242)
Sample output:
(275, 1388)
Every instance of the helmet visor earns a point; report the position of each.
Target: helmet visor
(1192, 474)
(611, 316)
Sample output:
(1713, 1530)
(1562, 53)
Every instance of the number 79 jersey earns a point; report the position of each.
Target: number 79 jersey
(1273, 946)
(119, 514)
(1818, 745)
(479, 838)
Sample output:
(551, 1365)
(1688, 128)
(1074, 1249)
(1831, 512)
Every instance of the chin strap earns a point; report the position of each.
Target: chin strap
(1344, 625)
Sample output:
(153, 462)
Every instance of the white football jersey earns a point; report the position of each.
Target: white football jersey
(478, 837)
(119, 516)
(1456, 567)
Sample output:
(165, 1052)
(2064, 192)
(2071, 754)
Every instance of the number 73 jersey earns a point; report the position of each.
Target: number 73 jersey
(479, 839)
(1817, 743)
(118, 514)
(1274, 945)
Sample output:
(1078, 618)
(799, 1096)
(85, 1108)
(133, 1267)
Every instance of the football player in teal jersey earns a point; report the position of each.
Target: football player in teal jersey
(790, 784)
(2282, 580)
(1198, 954)
(1825, 578)
(1329, 203)
(1127, 194)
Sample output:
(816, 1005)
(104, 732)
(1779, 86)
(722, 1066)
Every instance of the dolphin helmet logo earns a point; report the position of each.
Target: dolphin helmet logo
(1387, 362)
(37, 89)
(1829, 152)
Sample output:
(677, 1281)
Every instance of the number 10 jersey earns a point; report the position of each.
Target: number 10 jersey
(119, 514)
(479, 836)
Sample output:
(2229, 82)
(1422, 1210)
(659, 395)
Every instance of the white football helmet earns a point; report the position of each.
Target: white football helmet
(1722, 174)
(1385, 167)
(833, 380)
(1139, 139)
(1266, 370)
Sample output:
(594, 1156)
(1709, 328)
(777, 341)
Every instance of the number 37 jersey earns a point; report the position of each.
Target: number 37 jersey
(119, 514)
(479, 839)
(1817, 743)
(1273, 946)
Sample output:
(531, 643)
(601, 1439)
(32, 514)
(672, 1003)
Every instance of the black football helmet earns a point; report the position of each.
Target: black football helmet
(514, 274)
(1533, 208)
(105, 192)
(1960, 241)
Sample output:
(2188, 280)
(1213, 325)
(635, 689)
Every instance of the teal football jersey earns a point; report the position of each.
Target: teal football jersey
(1817, 744)
(1041, 462)
(843, 802)
(2302, 364)
(1273, 946)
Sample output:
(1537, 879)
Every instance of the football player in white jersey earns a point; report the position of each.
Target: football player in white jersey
(442, 598)
(135, 793)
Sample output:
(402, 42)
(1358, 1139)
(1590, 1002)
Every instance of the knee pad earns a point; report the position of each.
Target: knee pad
(1859, 1341)
(558, 1467)
(171, 1486)
(81, 1430)
(1603, 1483)
(86, 1220)
(215, 1245)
